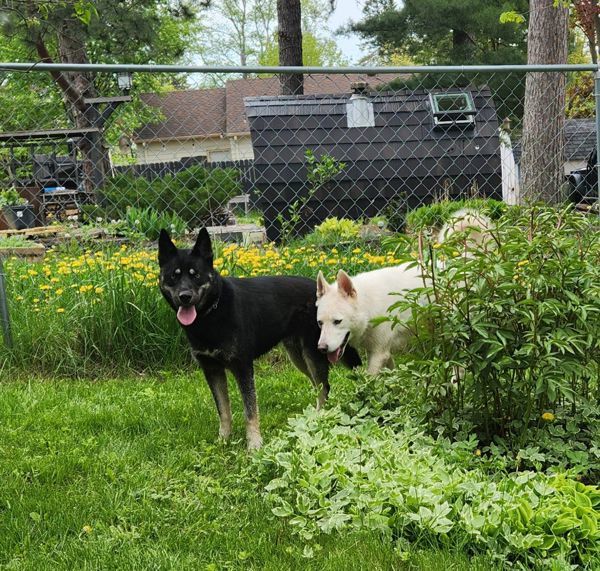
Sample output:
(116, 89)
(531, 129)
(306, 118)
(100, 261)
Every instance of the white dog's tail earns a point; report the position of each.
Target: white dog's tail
(467, 220)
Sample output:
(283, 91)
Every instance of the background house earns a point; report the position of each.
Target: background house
(212, 123)
(580, 142)
(401, 149)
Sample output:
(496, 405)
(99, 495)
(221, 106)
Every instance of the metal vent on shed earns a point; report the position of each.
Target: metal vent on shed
(359, 109)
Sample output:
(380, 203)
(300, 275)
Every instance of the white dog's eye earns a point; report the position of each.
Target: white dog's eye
(337, 321)
(320, 323)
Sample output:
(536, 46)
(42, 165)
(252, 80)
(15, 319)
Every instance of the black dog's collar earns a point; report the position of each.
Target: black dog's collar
(213, 306)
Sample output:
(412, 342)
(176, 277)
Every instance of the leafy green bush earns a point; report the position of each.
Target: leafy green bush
(319, 173)
(334, 230)
(437, 214)
(149, 222)
(337, 470)
(508, 339)
(10, 197)
(197, 194)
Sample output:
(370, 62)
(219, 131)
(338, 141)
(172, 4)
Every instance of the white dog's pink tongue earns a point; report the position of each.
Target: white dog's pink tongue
(334, 356)
(186, 315)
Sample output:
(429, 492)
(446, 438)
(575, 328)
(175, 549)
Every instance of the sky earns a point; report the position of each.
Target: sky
(345, 11)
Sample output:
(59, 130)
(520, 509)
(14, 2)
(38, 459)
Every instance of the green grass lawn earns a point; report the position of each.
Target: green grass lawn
(128, 474)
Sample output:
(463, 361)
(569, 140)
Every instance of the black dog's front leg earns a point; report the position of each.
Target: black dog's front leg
(217, 381)
(244, 375)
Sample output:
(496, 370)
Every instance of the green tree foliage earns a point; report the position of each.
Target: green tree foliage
(445, 32)
(451, 32)
(316, 51)
(103, 31)
(244, 32)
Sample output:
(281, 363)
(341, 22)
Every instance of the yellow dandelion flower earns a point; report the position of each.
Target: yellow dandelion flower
(548, 417)
(523, 263)
(436, 245)
(59, 291)
(45, 287)
(98, 290)
(60, 310)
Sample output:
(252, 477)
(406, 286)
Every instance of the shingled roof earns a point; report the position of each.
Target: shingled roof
(580, 140)
(220, 111)
(193, 113)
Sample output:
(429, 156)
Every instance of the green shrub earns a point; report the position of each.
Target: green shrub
(341, 470)
(10, 197)
(197, 195)
(437, 214)
(334, 231)
(509, 339)
(149, 222)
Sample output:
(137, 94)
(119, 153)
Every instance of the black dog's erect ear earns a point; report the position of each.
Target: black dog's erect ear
(203, 248)
(166, 249)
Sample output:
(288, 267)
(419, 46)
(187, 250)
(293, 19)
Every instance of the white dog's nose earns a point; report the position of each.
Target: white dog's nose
(322, 347)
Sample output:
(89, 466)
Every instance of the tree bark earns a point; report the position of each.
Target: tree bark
(542, 162)
(290, 45)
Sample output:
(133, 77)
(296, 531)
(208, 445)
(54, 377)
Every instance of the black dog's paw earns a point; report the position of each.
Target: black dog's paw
(351, 358)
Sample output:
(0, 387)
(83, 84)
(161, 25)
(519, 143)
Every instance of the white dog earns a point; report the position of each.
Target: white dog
(345, 308)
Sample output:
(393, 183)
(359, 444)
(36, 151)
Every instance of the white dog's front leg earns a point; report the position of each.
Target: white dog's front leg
(377, 361)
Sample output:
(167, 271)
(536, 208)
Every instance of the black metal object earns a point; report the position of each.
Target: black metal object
(583, 183)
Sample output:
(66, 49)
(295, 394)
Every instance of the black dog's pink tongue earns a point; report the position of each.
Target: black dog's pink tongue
(334, 356)
(186, 315)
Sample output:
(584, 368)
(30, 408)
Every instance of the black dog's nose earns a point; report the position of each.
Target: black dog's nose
(185, 297)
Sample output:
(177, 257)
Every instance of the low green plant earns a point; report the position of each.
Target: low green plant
(10, 197)
(437, 214)
(319, 172)
(369, 465)
(149, 222)
(14, 242)
(198, 195)
(506, 339)
(334, 231)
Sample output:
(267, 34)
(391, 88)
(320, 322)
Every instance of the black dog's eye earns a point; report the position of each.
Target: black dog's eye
(175, 275)
(337, 321)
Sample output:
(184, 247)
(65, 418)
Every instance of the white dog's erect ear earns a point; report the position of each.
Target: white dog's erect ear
(345, 284)
(322, 285)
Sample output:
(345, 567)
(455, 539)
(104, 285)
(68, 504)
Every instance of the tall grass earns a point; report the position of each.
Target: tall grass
(78, 315)
(95, 312)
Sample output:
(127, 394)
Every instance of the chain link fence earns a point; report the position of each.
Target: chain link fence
(190, 149)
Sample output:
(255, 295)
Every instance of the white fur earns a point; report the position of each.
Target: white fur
(354, 302)
(371, 298)
(476, 224)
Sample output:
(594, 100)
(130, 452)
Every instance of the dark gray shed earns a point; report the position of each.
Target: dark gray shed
(406, 155)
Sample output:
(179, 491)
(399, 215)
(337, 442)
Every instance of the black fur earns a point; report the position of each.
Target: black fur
(240, 319)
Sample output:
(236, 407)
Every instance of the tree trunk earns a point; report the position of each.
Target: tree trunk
(542, 162)
(290, 45)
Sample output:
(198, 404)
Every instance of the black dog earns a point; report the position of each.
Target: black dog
(230, 322)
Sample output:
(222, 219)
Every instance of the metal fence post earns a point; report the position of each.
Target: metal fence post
(597, 96)
(4, 317)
